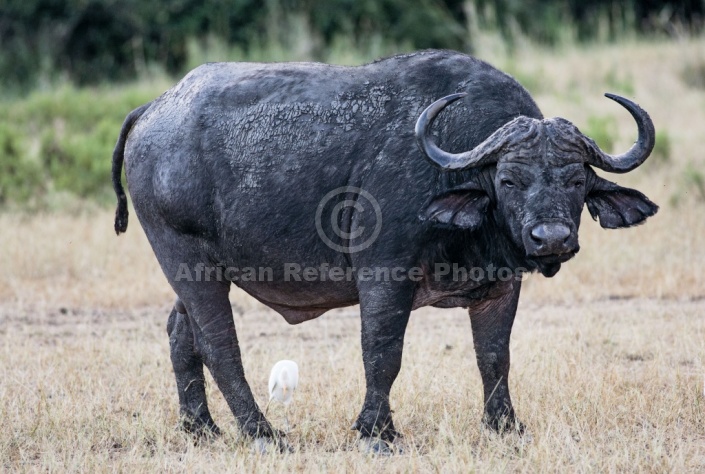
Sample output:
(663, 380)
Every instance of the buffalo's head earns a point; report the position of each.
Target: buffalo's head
(537, 178)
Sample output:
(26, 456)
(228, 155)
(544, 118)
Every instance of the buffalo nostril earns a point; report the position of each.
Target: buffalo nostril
(562, 232)
(550, 233)
(539, 234)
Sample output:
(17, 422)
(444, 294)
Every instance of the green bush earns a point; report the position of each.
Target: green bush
(80, 162)
(62, 140)
(92, 41)
(20, 179)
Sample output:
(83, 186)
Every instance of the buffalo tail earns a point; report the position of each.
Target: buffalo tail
(121, 212)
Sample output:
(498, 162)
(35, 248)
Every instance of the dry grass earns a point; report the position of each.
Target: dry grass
(609, 386)
(607, 356)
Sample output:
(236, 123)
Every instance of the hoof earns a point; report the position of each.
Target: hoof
(377, 447)
(389, 434)
(265, 445)
(198, 428)
(504, 425)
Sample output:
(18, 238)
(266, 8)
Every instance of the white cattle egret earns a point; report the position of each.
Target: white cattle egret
(283, 380)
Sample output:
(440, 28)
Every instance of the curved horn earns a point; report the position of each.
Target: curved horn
(641, 149)
(449, 161)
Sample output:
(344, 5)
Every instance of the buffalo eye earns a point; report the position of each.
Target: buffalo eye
(507, 183)
(579, 183)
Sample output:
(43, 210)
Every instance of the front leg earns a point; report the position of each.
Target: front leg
(385, 313)
(492, 321)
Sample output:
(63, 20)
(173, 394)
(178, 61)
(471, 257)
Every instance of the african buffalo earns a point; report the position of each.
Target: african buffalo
(319, 180)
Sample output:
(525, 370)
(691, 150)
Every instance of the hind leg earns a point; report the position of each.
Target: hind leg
(205, 299)
(211, 319)
(188, 369)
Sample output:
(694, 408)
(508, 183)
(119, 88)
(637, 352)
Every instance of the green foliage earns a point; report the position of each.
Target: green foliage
(421, 23)
(79, 162)
(62, 141)
(19, 177)
(91, 41)
(603, 130)
(542, 21)
(553, 22)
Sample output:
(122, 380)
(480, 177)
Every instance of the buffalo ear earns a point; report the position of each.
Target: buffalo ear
(464, 208)
(617, 206)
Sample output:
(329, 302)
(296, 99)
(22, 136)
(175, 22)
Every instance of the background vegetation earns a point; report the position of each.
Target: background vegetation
(91, 41)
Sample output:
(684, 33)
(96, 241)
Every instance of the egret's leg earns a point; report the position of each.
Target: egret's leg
(492, 321)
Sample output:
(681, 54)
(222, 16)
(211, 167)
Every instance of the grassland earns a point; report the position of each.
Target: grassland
(608, 357)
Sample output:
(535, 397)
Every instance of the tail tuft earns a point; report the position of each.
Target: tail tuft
(121, 214)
